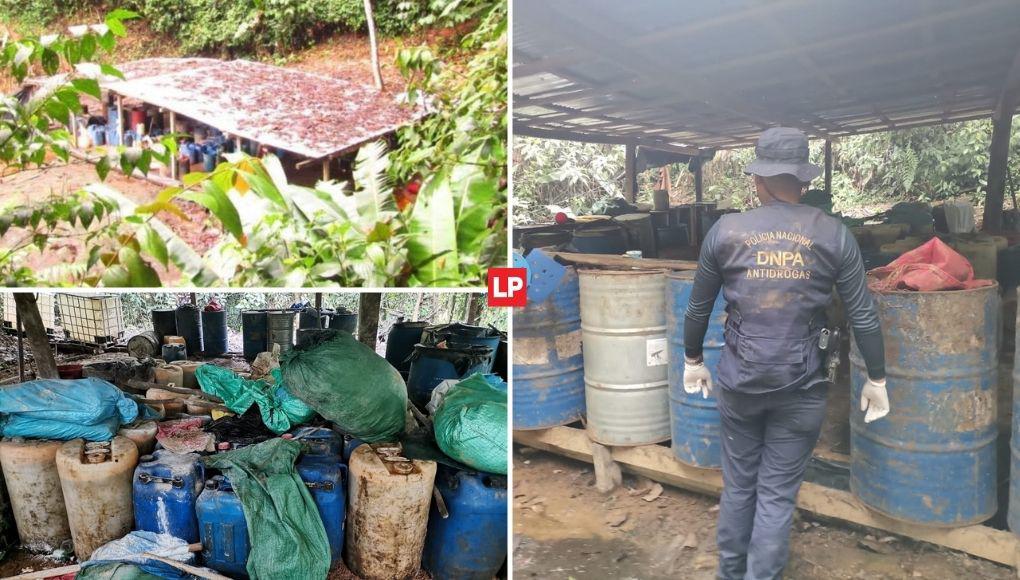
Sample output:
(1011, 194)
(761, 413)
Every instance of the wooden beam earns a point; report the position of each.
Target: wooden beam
(630, 173)
(120, 120)
(325, 169)
(564, 135)
(619, 262)
(175, 168)
(828, 166)
(658, 463)
(698, 185)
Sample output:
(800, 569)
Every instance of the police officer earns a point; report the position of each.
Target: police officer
(776, 265)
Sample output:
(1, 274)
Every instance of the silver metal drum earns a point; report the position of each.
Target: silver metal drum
(623, 330)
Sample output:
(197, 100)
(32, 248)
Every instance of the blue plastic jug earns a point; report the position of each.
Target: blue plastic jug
(320, 442)
(350, 444)
(470, 544)
(225, 543)
(166, 487)
(326, 479)
(209, 154)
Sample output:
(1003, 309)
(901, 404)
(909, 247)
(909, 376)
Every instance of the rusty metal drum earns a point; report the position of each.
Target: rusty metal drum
(548, 366)
(932, 459)
(694, 418)
(623, 337)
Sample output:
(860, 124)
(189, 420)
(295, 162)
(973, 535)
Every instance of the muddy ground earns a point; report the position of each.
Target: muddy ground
(563, 528)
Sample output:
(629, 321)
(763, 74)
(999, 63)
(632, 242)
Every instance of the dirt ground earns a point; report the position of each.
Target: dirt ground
(59, 179)
(564, 528)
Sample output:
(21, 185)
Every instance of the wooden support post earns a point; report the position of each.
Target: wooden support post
(607, 472)
(828, 167)
(74, 129)
(630, 173)
(194, 298)
(175, 169)
(998, 158)
(325, 169)
(699, 189)
(237, 144)
(120, 120)
(318, 302)
(998, 151)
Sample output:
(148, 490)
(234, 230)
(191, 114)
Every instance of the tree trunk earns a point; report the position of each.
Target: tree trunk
(375, 49)
(369, 304)
(476, 304)
(998, 165)
(35, 333)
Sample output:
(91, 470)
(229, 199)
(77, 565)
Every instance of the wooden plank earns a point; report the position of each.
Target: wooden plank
(657, 462)
(620, 262)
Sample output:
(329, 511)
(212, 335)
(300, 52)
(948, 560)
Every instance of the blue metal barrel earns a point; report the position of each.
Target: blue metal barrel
(164, 323)
(326, 479)
(932, 459)
(165, 490)
(548, 366)
(470, 544)
(224, 531)
(400, 343)
(433, 365)
(189, 324)
(214, 331)
(694, 419)
(254, 331)
(1013, 515)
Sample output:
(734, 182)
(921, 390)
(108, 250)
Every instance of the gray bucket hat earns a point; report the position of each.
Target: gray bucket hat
(783, 150)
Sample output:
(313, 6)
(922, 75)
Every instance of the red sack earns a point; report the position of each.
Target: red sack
(933, 266)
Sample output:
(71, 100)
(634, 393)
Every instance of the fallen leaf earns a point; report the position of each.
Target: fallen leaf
(616, 519)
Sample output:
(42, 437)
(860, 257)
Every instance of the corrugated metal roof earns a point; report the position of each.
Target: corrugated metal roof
(312, 115)
(714, 74)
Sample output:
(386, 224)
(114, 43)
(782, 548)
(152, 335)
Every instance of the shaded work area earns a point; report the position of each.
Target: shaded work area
(598, 353)
(218, 107)
(332, 442)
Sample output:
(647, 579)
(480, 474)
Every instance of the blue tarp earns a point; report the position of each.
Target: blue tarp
(89, 408)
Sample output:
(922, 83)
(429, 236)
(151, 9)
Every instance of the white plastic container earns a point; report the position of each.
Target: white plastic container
(96, 481)
(45, 302)
(30, 470)
(143, 433)
(387, 515)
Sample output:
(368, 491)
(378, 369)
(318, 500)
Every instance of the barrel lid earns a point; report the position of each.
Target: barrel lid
(633, 217)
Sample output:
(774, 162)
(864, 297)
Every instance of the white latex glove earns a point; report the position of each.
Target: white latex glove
(697, 377)
(874, 400)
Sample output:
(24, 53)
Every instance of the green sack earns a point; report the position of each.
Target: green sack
(350, 385)
(287, 537)
(471, 425)
(280, 410)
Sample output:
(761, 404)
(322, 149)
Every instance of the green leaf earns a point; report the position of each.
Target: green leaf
(50, 61)
(116, 277)
(152, 243)
(57, 110)
(107, 41)
(103, 167)
(111, 71)
(140, 273)
(88, 47)
(432, 249)
(116, 26)
(88, 86)
(215, 200)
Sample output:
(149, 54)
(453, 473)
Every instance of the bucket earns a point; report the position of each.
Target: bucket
(189, 325)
